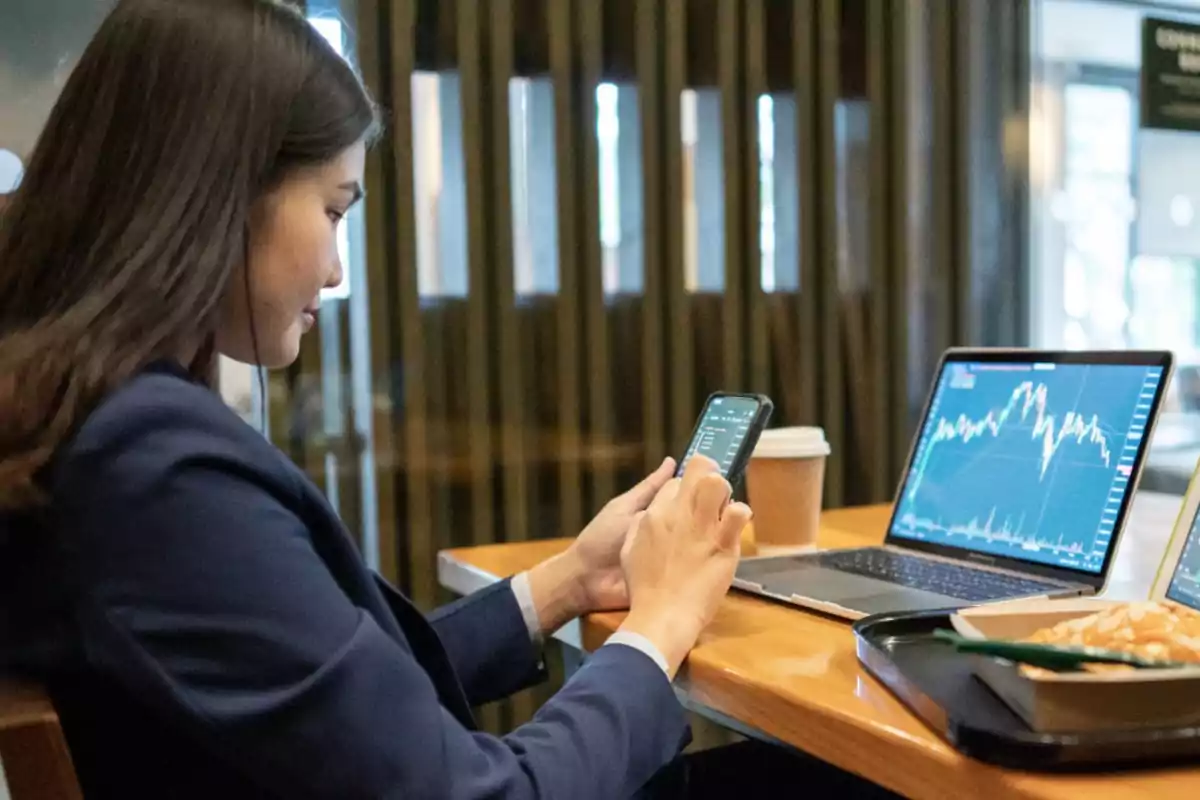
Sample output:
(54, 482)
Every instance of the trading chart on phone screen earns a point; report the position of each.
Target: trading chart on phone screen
(1028, 461)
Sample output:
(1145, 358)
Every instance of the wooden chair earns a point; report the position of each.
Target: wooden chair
(37, 765)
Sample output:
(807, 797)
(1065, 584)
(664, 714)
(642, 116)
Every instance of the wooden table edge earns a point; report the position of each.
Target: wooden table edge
(845, 740)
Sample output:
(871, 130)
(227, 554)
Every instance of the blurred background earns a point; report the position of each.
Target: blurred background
(586, 215)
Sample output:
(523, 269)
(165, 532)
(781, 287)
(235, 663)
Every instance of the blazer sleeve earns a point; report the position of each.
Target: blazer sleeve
(204, 594)
(488, 643)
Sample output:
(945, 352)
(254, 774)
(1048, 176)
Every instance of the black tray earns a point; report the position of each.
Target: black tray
(939, 685)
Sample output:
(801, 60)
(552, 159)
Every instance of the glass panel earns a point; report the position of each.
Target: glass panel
(621, 222)
(440, 185)
(766, 198)
(534, 187)
(703, 191)
(1114, 229)
(40, 41)
(780, 193)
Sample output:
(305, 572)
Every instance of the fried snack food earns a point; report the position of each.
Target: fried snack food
(1155, 631)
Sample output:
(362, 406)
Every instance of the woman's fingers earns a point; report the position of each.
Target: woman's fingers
(666, 494)
(712, 494)
(733, 521)
(697, 468)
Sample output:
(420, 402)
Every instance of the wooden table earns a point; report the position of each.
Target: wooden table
(782, 674)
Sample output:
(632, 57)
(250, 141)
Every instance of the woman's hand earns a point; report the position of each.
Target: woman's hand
(680, 560)
(588, 576)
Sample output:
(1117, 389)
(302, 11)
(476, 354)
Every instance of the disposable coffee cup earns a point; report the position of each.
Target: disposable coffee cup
(785, 479)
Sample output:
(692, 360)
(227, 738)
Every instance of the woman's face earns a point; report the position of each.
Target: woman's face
(293, 256)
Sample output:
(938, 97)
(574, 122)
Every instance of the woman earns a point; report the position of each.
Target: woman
(203, 622)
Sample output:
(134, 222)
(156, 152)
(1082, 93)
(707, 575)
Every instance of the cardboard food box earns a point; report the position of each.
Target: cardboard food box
(1076, 702)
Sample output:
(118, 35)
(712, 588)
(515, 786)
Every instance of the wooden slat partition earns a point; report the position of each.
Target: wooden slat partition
(502, 411)
(943, 280)
(653, 108)
(589, 34)
(511, 365)
(754, 86)
(414, 412)
(306, 431)
(477, 101)
(680, 359)
(375, 31)
(570, 396)
(966, 47)
(809, 198)
(890, 79)
(828, 65)
(735, 132)
(347, 446)
(883, 222)
(477, 116)
(515, 475)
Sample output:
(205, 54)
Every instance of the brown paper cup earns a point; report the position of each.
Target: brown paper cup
(785, 480)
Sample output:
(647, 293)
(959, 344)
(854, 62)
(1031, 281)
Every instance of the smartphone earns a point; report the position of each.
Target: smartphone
(728, 430)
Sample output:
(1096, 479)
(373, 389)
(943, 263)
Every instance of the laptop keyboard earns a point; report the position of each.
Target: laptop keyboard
(956, 581)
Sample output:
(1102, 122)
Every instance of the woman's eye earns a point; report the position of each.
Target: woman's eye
(335, 215)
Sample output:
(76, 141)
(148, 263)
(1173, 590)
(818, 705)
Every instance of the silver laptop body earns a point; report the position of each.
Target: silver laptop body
(1018, 483)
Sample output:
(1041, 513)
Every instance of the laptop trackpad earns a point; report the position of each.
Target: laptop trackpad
(822, 584)
(901, 600)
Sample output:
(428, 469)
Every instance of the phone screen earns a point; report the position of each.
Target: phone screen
(722, 431)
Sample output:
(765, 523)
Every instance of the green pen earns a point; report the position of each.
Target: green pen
(1048, 656)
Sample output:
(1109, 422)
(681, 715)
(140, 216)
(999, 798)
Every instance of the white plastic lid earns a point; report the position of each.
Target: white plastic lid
(798, 442)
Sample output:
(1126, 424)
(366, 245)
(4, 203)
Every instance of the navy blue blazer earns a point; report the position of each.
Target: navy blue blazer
(207, 629)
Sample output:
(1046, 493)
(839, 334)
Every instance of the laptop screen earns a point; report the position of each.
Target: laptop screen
(1030, 461)
(1185, 583)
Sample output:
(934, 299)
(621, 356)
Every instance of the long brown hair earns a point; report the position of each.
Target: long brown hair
(119, 245)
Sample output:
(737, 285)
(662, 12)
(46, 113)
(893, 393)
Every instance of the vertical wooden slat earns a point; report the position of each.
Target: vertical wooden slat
(898, 26)
(755, 76)
(680, 345)
(589, 21)
(878, 460)
(808, 177)
(372, 58)
(476, 100)
(733, 143)
(327, 414)
(343, 459)
(442, 365)
(514, 470)
(512, 404)
(1015, 42)
(828, 87)
(348, 462)
(307, 404)
(650, 115)
(569, 351)
(422, 547)
(944, 293)
(970, 34)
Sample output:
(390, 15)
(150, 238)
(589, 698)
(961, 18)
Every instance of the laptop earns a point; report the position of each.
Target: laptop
(1017, 485)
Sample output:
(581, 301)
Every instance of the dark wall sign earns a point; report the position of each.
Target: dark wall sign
(1170, 75)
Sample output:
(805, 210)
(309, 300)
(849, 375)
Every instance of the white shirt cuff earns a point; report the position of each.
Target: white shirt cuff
(642, 644)
(524, 595)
